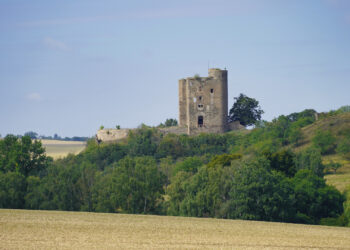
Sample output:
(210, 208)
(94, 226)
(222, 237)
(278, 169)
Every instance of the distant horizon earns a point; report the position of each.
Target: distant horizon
(68, 67)
(63, 136)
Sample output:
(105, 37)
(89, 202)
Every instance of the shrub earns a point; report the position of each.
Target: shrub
(344, 146)
(325, 141)
(310, 159)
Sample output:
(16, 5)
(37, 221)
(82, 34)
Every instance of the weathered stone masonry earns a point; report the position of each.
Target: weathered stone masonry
(203, 103)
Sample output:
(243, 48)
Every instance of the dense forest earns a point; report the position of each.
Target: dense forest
(273, 172)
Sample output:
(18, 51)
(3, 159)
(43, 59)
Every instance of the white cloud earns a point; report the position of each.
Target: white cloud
(34, 97)
(55, 44)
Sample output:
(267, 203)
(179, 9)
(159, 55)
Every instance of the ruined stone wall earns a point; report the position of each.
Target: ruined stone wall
(112, 135)
(204, 97)
(115, 135)
(174, 130)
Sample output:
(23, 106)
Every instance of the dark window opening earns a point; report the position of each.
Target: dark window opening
(200, 98)
(200, 106)
(211, 90)
(200, 121)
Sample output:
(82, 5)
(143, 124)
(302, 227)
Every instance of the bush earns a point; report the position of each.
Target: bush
(310, 159)
(340, 221)
(343, 146)
(325, 141)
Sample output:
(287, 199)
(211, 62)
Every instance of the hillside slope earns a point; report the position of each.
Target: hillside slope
(338, 125)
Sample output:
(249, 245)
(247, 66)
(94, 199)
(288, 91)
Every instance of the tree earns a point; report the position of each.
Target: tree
(31, 134)
(258, 194)
(22, 155)
(282, 161)
(134, 185)
(314, 198)
(333, 165)
(325, 141)
(246, 110)
(168, 123)
(310, 159)
(12, 190)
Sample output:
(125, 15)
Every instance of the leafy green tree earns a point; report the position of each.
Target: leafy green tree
(246, 110)
(347, 206)
(85, 185)
(57, 190)
(22, 155)
(282, 161)
(202, 194)
(135, 186)
(334, 166)
(142, 142)
(223, 160)
(166, 166)
(295, 136)
(258, 194)
(315, 199)
(12, 190)
(306, 117)
(177, 192)
(170, 122)
(344, 146)
(34, 194)
(170, 145)
(325, 141)
(311, 159)
(189, 164)
(31, 134)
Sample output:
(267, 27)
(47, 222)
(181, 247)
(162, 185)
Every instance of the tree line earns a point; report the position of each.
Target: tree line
(236, 175)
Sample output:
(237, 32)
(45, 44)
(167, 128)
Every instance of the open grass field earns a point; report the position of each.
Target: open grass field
(340, 179)
(58, 149)
(24, 229)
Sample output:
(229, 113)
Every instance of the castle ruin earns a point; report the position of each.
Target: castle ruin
(203, 105)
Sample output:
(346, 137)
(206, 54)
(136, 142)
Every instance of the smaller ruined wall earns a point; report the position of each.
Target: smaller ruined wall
(174, 130)
(112, 135)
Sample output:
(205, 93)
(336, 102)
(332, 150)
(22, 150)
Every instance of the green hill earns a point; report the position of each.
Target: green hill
(339, 126)
(292, 169)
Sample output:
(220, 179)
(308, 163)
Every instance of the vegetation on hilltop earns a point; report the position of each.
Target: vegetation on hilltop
(275, 172)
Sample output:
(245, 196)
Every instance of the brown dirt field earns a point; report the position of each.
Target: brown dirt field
(24, 229)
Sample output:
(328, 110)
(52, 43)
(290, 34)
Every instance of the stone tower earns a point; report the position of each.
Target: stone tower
(203, 103)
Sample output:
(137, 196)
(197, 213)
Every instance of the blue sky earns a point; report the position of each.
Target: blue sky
(68, 67)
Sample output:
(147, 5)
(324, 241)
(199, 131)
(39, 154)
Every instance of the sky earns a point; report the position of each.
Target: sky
(70, 66)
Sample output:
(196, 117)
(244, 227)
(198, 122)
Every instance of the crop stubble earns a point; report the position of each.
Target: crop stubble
(26, 229)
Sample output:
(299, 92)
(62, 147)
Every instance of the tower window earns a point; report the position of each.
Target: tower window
(200, 106)
(211, 90)
(200, 121)
(200, 98)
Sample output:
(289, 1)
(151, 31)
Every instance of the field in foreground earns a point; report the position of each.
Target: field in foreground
(58, 149)
(77, 230)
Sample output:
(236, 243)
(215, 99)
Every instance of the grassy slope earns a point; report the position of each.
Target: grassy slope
(336, 124)
(58, 149)
(78, 230)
